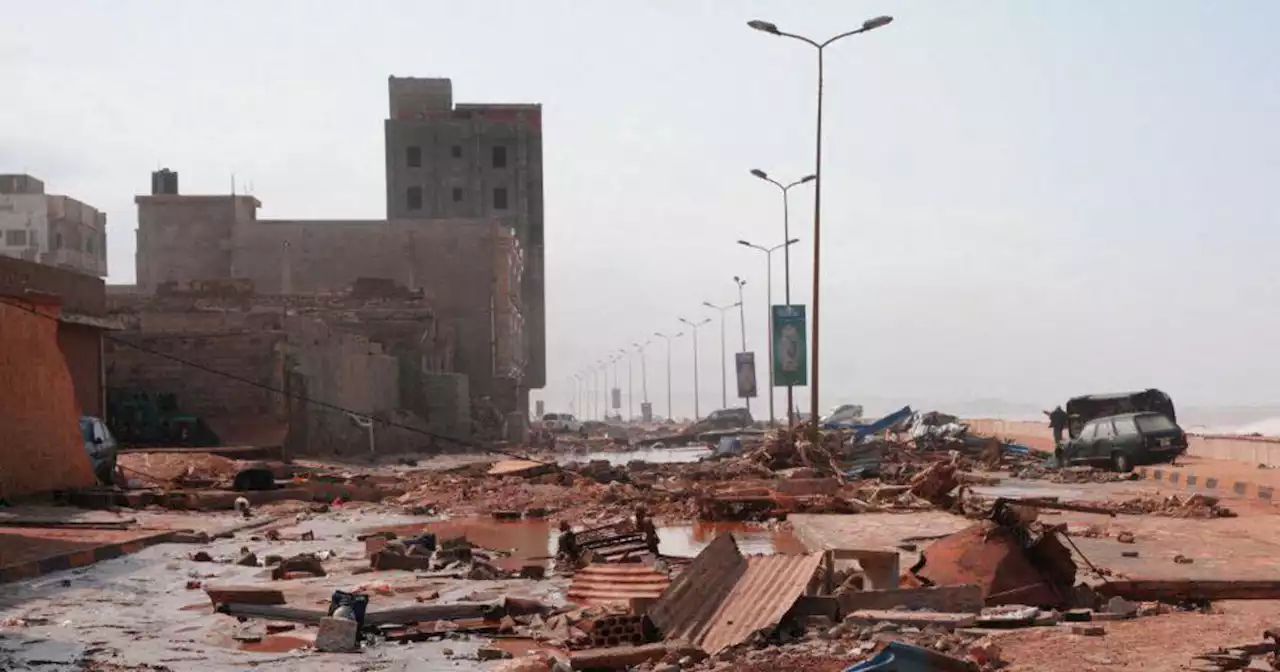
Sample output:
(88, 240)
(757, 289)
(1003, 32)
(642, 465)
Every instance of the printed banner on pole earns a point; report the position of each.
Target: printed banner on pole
(790, 346)
(746, 362)
(616, 393)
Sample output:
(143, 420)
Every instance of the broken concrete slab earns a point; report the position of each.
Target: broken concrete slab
(954, 599)
(919, 619)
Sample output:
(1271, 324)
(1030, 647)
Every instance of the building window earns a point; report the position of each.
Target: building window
(89, 244)
(15, 237)
(500, 156)
(500, 198)
(413, 156)
(413, 198)
(457, 151)
(57, 241)
(457, 194)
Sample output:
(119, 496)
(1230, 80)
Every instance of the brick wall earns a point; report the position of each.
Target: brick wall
(40, 444)
(237, 411)
(81, 349)
(79, 293)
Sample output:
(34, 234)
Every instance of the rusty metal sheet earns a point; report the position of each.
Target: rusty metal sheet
(992, 557)
(599, 583)
(723, 597)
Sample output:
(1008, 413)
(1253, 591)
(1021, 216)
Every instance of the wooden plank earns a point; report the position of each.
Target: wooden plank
(1228, 589)
(244, 595)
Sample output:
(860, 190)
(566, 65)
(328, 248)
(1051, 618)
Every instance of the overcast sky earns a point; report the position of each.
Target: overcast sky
(1022, 200)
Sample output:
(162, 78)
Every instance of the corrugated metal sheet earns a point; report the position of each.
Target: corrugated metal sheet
(599, 583)
(723, 597)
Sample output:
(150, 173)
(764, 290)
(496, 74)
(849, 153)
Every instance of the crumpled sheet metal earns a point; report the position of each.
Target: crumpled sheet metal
(722, 598)
(992, 557)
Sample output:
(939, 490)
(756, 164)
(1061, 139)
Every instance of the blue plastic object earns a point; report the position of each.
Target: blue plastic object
(902, 657)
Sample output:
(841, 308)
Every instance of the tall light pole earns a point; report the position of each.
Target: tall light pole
(765, 26)
(724, 371)
(768, 256)
(742, 321)
(678, 334)
(786, 270)
(644, 374)
(697, 411)
(631, 410)
(604, 373)
(617, 380)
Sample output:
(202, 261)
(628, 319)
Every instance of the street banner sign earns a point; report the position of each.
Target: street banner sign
(746, 362)
(790, 351)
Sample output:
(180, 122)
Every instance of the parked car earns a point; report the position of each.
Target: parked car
(725, 418)
(1125, 440)
(101, 448)
(561, 423)
(1081, 410)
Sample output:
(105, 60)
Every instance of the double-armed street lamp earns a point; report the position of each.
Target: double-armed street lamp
(694, 326)
(724, 370)
(668, 337)
(772, 29)
(768, 255)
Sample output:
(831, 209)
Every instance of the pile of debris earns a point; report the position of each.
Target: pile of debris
(1192, 506)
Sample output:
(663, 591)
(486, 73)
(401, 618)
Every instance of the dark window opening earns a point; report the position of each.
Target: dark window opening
(500, 157)
(413, 198)
(500, 198)
(413, 156)
(457, 195)
(457, 151)
(57, 241)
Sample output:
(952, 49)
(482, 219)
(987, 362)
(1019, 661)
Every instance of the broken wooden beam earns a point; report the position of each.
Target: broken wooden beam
(953, 599)
(617, 657)
(273, 612)
(431, 612)
(244, 595)
(1178, 590)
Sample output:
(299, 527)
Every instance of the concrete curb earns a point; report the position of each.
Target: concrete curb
(1190, 479)
(80, 558)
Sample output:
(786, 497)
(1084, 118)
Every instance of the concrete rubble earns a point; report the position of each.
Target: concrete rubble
(458, 558)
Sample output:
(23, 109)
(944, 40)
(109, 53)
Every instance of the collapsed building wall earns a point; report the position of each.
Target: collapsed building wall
(40, 444)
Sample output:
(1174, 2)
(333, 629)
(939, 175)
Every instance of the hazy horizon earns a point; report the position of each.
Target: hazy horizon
(1022, 201)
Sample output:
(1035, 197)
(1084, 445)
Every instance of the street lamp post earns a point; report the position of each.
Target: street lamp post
(786, 264)
(742, 321)
(678, 334)
(768, 256)
(644, 374)
(724, 370)
(697, 411)
(765, 26)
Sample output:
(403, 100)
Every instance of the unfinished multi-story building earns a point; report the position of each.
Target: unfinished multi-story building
(53, 230)
(461, 274)
(447, 161)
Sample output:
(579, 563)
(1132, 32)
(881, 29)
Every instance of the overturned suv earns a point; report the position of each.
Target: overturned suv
(1121, 441)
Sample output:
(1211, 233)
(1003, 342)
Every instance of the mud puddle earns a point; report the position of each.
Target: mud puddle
(534, 541)
(279, 643)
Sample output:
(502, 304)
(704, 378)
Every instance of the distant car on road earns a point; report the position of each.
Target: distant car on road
(101, 448)
(561, 423)
(725, 418)
(1124, 440)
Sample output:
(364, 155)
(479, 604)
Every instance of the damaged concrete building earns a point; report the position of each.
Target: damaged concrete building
(431, 317)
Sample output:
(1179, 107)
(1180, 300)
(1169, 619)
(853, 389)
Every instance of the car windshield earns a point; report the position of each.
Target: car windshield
(1153, 423)
(549, 416)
